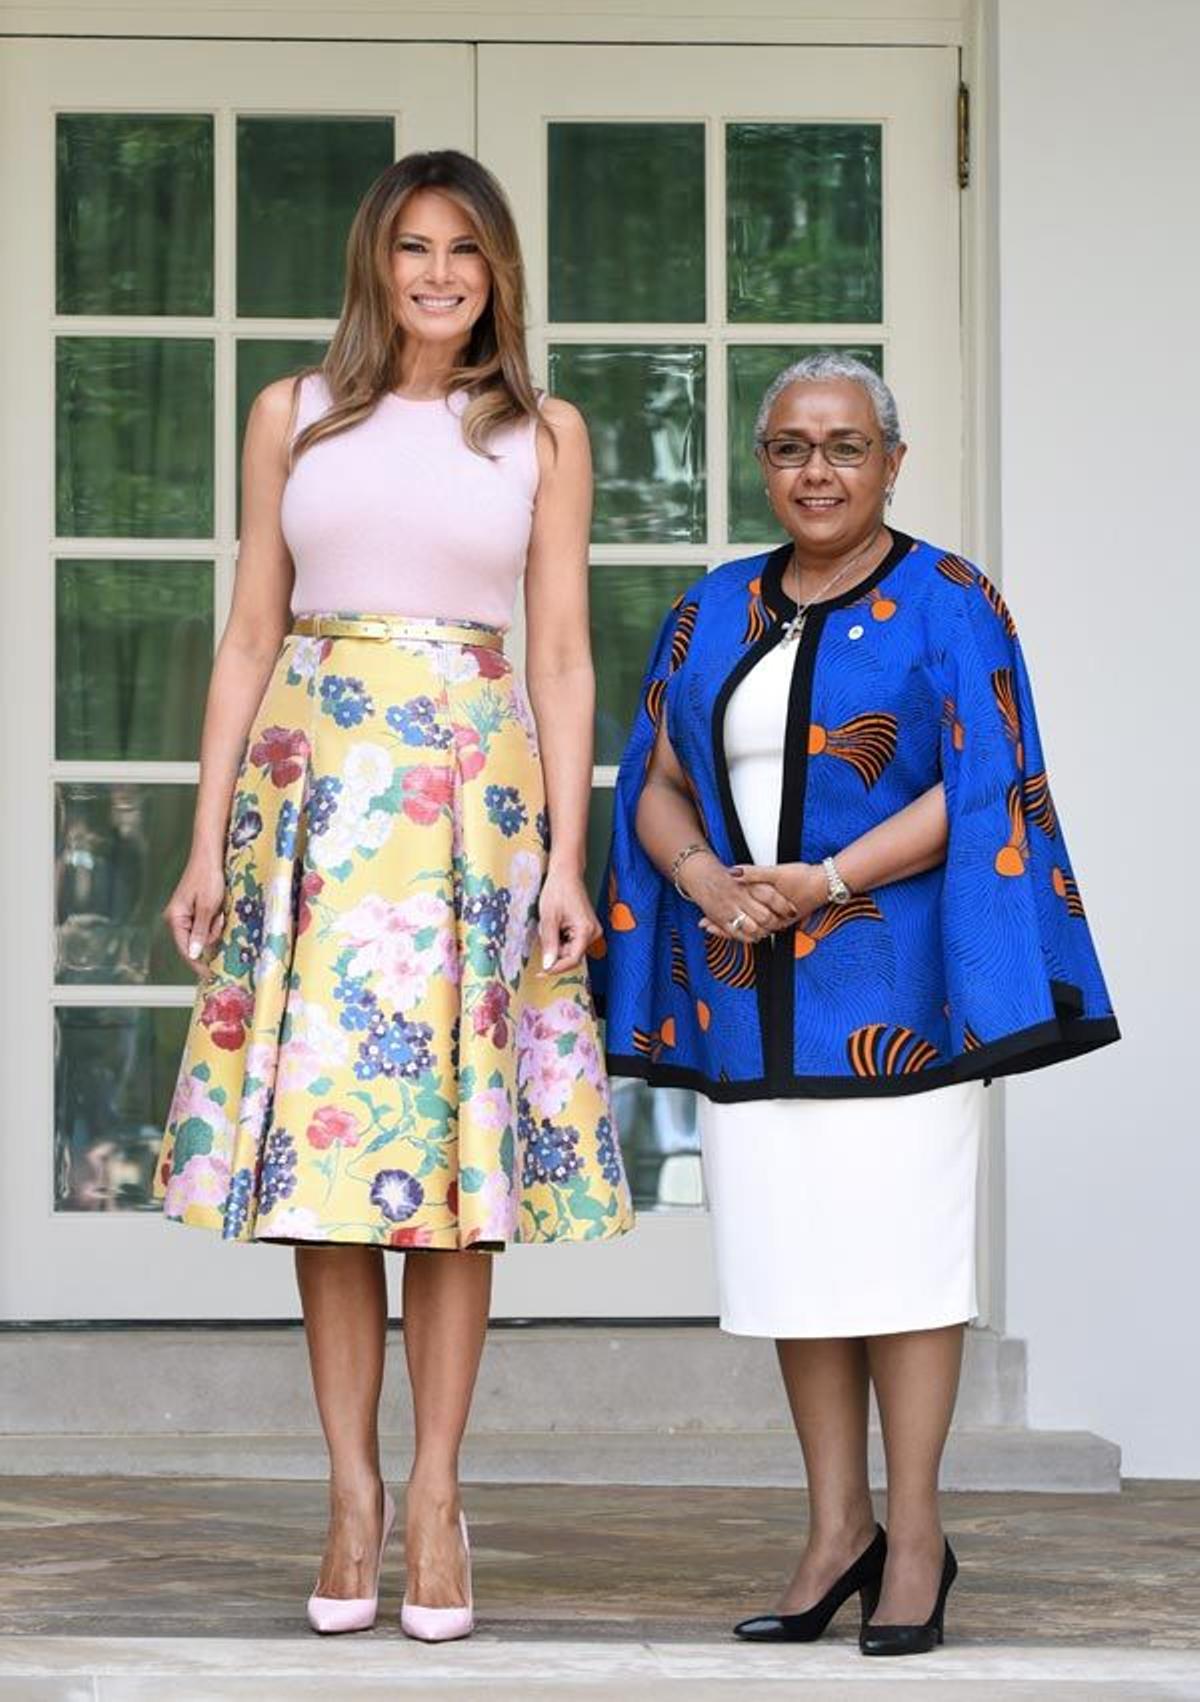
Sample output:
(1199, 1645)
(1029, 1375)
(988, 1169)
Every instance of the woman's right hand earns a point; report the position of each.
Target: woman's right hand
(195, 911)
(709, 884)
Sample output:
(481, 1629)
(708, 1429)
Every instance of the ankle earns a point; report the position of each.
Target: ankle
(355, 1492)
(915, 1537)
(851, 1530)
(436, 1492)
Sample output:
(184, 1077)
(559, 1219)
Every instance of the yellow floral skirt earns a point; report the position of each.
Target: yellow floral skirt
(375, 1058)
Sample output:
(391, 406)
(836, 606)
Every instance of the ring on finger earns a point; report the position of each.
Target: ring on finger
(738, 921)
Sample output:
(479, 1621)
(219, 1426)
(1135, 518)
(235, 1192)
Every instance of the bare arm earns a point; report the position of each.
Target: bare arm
(667, 821)
(258, 621)
(560, 677)
(906, 843)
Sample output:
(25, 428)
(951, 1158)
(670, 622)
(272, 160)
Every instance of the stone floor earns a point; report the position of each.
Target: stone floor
(122, 1587)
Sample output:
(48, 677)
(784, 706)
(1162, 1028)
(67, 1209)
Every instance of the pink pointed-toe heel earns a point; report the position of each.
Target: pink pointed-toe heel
(441, 1624)
(329, 1614)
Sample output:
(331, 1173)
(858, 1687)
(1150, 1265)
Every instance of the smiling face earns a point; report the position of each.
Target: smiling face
(829, 510)
(440, 279)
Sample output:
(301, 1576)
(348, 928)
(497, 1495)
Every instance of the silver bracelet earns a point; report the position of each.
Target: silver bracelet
(679, 860)
(839, 892)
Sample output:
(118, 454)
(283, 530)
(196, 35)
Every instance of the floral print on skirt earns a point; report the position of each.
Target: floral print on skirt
(375, 1058)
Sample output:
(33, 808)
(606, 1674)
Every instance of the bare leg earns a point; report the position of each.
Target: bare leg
(446, 1299)
(916, 1381)
(826, 1382)
(344, 1295)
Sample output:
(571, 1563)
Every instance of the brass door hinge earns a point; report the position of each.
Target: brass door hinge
(964, 136)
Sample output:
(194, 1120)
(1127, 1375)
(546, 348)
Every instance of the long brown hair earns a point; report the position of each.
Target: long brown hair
(363, 358)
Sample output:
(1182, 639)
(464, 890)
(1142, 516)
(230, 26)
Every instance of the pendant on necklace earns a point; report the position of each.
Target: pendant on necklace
(793, 630)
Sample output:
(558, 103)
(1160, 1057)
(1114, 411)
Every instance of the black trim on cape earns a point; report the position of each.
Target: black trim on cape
(1029, 1049)
(774, 972)
(1067, 1033)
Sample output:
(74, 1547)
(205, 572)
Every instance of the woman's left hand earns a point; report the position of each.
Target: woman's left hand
(567, 924)
(802, 885)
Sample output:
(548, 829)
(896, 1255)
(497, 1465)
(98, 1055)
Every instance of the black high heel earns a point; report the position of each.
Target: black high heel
(913, 1639)
(865, 1577)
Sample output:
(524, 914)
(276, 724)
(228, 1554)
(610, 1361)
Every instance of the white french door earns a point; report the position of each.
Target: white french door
(692, 218)
(175, 215)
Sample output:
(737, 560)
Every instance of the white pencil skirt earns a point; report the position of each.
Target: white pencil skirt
(844, 1217)
(832, 1217)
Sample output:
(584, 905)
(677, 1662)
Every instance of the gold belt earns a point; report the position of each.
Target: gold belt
(398, 626)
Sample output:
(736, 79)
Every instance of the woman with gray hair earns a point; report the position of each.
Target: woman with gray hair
(838, 902)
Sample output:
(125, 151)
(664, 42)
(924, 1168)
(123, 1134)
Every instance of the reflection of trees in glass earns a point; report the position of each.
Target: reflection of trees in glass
(133, 651)
(599, 832)
(135, 212)
(628, 604)
(119, 849)
(298, 183)
(626, 222)
(804, 222)
(261, 360)
(114, 1073)
(134, 452)
(751, 368)
(645, 412)
(655, 1124)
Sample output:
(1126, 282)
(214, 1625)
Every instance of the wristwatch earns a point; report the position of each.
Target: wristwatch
(839, 892)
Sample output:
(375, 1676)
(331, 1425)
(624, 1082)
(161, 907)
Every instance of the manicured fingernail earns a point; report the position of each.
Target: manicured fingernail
(194, 949)
(737, 873)
(547, 959)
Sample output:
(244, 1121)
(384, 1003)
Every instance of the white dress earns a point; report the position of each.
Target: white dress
(832, 1217)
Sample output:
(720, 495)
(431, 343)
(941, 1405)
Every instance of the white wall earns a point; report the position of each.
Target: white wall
(1099, 153)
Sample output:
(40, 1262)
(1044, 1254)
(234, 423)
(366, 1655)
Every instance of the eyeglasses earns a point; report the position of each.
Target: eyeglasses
(798, 451)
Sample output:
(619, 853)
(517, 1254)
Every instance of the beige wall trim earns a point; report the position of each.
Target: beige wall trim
(933, 23)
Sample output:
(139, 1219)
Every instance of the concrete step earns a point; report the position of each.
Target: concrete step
(995, 1458)
(544, 1379)
(564, 1403)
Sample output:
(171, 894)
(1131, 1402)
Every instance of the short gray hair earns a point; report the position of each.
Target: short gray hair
(828, 363)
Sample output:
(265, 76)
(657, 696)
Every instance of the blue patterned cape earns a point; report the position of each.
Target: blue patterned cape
(981, 967)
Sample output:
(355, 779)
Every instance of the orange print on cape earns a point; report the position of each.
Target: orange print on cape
(679, 974)
(1014, 853)
(867, 743)
(1066, 888)
(681, 638)
(652, 1045)
(956, 570)
(756, 620)
(620, 916)
(1039, 805)
(882, 607)
(1004, 690)
(731, 962)
(958, 735)
(882, 1049)
(830, 918)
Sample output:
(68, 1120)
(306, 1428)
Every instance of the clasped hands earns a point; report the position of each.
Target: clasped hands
(765, 897)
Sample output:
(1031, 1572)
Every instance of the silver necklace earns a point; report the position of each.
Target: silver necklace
(793, 630)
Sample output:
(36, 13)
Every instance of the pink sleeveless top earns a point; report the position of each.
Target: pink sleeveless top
(398, 516)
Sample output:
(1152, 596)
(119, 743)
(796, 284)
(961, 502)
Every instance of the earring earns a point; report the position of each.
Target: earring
(888, 494)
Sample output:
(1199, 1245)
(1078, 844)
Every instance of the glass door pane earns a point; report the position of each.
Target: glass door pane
(189, 187)
(694, 220)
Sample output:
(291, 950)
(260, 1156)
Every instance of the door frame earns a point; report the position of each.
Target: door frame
(967, 25)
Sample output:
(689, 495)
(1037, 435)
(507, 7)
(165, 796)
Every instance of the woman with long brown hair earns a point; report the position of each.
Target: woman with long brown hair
(393, 1046)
